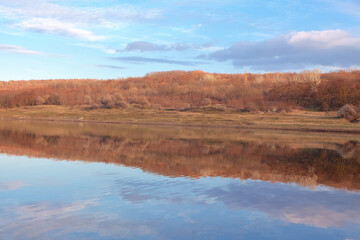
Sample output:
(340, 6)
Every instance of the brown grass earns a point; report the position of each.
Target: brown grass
(180, 90)
(296, 120)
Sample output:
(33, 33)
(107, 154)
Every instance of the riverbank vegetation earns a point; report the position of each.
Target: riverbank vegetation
(187, 91)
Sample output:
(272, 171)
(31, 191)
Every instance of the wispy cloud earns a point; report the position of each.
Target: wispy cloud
(100, 47)
(18, 50)
(189, 31)
(56, 27)
(297, 50)
(143, 46)
(109, 66)
(51, 17)
(156, 60)
(25, 9)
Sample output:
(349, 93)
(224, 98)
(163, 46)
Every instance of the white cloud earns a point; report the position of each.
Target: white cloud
(143, 60)
(143, 46)
(18, 49)
(51, 26)
(296, 50)
(102, 48)
(323, 39)
(52, 17)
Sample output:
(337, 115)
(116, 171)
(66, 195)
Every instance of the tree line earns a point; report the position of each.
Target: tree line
(181, 90)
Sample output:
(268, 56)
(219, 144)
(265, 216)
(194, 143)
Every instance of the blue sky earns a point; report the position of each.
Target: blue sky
(44, 39)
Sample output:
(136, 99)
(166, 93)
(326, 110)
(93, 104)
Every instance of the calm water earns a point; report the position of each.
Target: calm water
(67, 181)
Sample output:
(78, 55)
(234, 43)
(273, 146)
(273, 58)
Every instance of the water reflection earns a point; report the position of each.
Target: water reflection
(12, 185)
(182, 184)
(332, 164)
(320, 208)
(58, 220)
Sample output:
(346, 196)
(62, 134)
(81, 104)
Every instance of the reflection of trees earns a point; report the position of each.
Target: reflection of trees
(197, 158)
(350, 150)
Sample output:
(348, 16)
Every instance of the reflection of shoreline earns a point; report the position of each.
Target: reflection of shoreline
(337, 166)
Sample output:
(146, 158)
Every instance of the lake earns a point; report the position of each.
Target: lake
(107, 181)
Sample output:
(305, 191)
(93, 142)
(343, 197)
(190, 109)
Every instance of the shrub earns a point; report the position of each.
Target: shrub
(39, 100)
(349, 112)
(53, 100)
(113, 101)
(105, 100)
(119, 101)
(87, 99)
(206, 102)
(140, 100)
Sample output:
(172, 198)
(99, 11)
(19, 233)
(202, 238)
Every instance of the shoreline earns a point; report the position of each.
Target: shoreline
(159, 124)
(299, 121)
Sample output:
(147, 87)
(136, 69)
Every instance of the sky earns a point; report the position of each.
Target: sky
(47, 39)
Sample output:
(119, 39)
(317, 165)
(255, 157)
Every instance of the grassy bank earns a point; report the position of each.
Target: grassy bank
(296, 120)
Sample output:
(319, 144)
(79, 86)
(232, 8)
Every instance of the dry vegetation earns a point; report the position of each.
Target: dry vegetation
(179, 90)
(304, 121)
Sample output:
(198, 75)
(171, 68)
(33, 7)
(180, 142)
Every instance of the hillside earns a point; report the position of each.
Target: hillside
(180, 90)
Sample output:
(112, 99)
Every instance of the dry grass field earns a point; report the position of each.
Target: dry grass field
(295, 120)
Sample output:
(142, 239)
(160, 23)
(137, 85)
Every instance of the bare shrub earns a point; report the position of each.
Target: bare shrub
(105, 100)
(206, 102)
(119, 101)
(53, 100)
(140, 100)
(113, 101)
(185, 107)
(313, 77)
(349, 112)
(39, 100)
(87, 99)
(208, 77)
